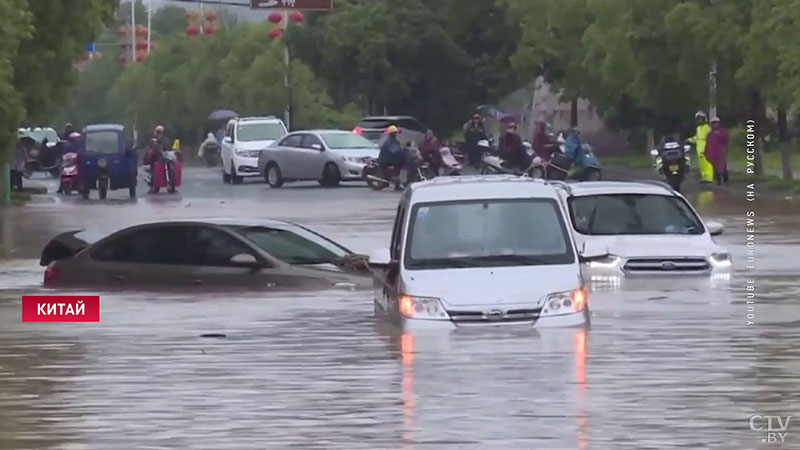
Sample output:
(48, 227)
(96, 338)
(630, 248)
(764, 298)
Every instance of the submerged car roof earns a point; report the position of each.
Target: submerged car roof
(477, 187)
(588, 188)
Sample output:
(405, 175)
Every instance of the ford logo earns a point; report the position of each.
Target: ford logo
(668, 265)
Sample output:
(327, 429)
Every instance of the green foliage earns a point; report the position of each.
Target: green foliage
(16, 26)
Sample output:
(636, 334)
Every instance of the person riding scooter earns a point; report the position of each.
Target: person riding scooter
(673, 161)
(393, 154)
(512, 150)
(475, 132)
(429, 151)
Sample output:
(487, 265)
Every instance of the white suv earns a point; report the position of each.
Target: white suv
(480, 250)
(245, 137)
(646, 228)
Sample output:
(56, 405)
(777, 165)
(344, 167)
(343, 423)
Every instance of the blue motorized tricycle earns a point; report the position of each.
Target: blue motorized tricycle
(105, 162)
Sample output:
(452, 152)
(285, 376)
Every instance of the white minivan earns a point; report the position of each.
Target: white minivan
(245, 138)
(481, 250)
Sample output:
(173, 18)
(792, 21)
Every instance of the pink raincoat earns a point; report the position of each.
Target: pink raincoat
(717, 149)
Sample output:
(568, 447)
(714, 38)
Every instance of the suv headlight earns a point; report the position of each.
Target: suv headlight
(354, 159)
(569, 302)
(429, 308)
(604, 262)
(722, 259)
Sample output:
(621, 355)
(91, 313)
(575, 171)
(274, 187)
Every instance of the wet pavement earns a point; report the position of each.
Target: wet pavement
(666, 364)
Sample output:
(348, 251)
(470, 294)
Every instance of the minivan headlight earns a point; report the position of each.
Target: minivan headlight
(430, 308)
(722, 259)
(604, 262)
(569, 302)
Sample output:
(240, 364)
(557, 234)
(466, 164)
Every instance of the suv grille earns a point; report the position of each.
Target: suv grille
(495, 315)
(666, 265)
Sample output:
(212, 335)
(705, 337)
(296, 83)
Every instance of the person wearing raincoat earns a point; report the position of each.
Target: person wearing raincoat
(699, 140)
(717, 151)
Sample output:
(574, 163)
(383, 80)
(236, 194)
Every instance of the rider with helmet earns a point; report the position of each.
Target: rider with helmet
(393, 154)
(512, 150)
(474, 132)
(699, 139)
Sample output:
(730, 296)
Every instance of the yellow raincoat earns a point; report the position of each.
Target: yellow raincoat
(699, 139)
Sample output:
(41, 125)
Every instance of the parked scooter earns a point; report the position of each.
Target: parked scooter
(673, 162)
(450, 165)
(495, 165)
(560, 167)
(211, 154)
(69, 174)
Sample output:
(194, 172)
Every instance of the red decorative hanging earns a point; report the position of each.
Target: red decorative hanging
(123, 59)
(192, 30)
(123, 31)
(141, 44)
(275, 33)
(211, 16)
(209, 29)
(275, 17)
(296, 16)
(140, 57)
(141, 30)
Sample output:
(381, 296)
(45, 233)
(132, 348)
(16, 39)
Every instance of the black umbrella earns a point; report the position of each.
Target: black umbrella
(222, 114)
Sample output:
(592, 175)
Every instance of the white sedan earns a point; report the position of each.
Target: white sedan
(646, 228)
(327, 156)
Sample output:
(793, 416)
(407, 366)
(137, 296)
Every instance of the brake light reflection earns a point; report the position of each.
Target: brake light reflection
(358, 130)
(580, 378)
(50, 275)
(409, 402)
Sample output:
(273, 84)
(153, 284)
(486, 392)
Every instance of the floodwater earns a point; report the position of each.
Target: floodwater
(669, 364)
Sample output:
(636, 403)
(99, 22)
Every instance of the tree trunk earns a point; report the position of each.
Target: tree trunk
(573, 113)
(783, 127)
(651, 140)
(758, 113)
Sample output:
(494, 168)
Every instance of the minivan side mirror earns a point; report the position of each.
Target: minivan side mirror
(228, 140)
(715, 228)
(317, 147)
(380, 258)
(245, 260)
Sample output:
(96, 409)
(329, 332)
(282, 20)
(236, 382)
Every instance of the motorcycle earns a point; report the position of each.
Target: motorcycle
(165, 172)
(495, 165)
(211, 154)
(69, 173)
(450, 167)
(560, 166)
(44, 159)
(673, 162)
(378, 178)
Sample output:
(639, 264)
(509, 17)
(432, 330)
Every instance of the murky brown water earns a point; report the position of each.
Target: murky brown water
(665, 365)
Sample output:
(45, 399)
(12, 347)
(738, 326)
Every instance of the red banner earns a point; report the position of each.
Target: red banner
(60, 308)
(308, 5)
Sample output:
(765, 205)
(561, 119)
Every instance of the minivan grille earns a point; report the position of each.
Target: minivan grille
(666, 265)
(495, 315)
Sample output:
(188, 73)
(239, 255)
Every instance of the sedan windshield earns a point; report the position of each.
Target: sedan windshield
(487, 233)
(618, 214)
(106, 142)
(259, 132)
(298, 246)
(341, 141)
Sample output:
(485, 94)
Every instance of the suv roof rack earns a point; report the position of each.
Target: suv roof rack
(658, 183)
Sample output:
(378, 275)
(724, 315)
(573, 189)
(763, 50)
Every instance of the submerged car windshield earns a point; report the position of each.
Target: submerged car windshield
(487, 233)
(298, 246)
(340, 141)
(259, 132)
(617, 214)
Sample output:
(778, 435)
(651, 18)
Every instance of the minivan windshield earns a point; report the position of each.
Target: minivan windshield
(253, 132)
(487, 233)
(618, 214)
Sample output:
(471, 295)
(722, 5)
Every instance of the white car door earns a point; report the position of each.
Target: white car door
(311, 157)
(227, 147)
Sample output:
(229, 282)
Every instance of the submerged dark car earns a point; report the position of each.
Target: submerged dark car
(224, 253)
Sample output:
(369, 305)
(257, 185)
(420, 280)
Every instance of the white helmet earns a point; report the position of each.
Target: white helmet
(483, 143)
(527, 144)
(699, 114)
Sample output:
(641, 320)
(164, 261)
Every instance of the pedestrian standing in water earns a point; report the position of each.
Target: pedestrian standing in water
(717, 150)
(18, 166)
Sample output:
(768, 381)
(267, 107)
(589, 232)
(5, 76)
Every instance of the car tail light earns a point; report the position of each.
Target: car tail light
(358, 130)
(51, 274)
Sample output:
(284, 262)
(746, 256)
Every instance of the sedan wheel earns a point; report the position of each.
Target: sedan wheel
(273, 176)
(331, 175)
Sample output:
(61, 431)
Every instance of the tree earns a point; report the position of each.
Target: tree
(168, 20)
(16, 27)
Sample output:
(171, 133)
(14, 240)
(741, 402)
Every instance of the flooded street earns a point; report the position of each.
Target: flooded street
(666, 363)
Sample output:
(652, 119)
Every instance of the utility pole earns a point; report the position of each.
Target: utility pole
(133, 31)
(712, 85)
(149, 22)
(287, 114)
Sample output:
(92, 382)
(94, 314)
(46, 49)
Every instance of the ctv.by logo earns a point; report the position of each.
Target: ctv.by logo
(775, 427)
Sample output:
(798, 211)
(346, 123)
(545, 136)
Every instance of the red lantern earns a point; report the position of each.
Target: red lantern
(209, 29)
(296, 16)
(276, 17)
(123, 31)
(275, 33)
(141, 44)
(211, 16)
(141, 30)
(140, 57)
(192, 30)
(123, 59)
